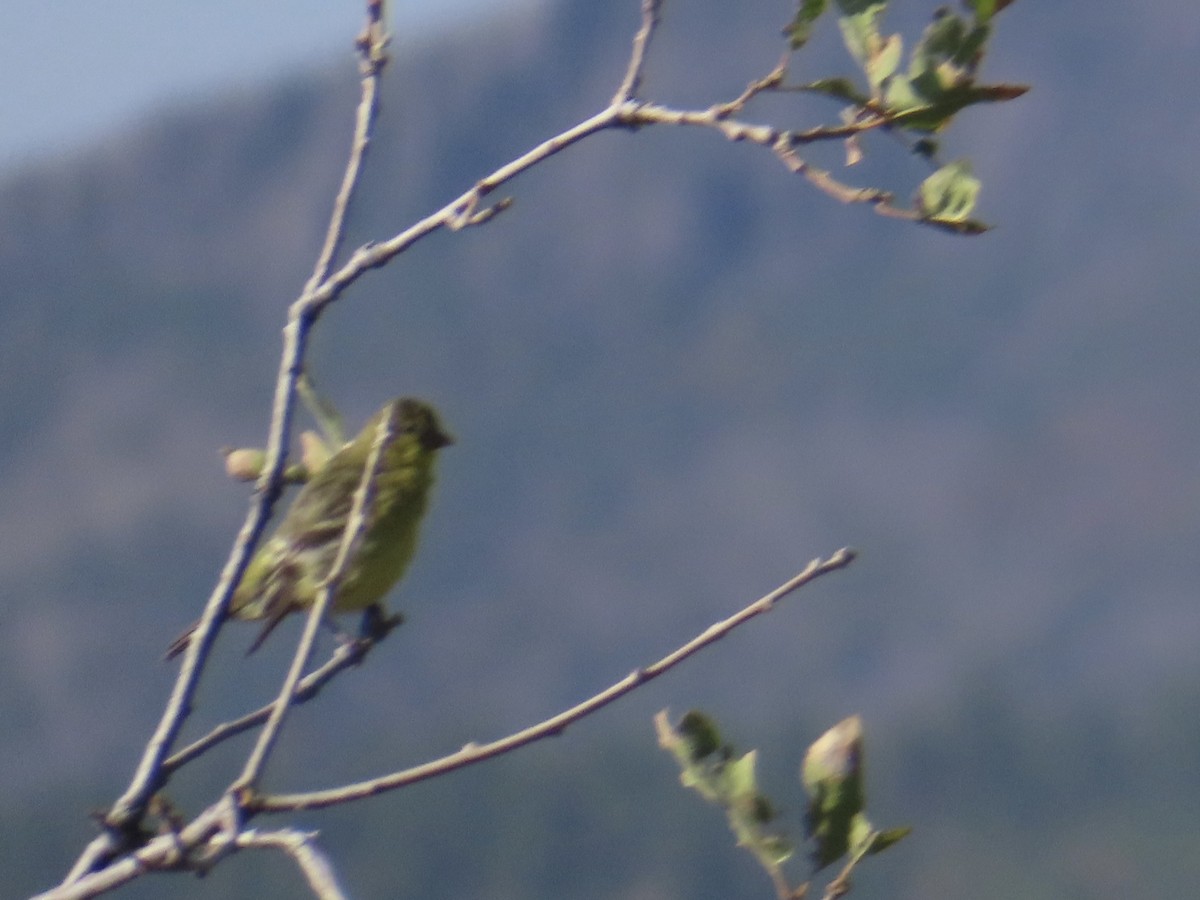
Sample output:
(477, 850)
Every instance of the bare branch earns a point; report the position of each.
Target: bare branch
(205, 839)
(471, 215)
(345, 656)
(783, 144)
(372, 50)
(130, 807)
(651, 10)
(769, 82)
(302, 847)
(627, 113)
(476, 753)
(882, 201)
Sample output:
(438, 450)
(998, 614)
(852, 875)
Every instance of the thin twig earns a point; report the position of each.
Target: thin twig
(784, 143)
(344, 657)
(651, 10)
(165, 852)
(302, 847)
(458, 213)
(372, 49)
(476, 753)
(720, 117)
(769, 82)
(881, 201)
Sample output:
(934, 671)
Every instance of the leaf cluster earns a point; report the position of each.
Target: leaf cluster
(939, 81)
(836, 825)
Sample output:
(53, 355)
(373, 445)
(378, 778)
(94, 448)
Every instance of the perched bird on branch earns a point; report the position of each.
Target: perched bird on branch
(286, 573)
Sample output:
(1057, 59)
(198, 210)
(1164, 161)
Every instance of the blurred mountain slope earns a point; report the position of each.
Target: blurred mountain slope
(675, 374)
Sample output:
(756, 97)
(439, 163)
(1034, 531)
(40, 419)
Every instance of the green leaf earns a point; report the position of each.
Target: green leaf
(908, 109)
(885, 60)
(770, 849)
(881, 840)
(835, 758)
(800, 29)
(832, 773)
(723, 777)
(940, 80)
(761, 810)
(861, 7)
(970, 53)
(701, 733)
(947, 56)
(985, 9)
(773, 850)
(899, 96)
(941, 42)
(841, 88)
(738, 779)
(949, 194)
(749, 813)
(866, 841)
(859, 23)
(692, 744)
(860, 836)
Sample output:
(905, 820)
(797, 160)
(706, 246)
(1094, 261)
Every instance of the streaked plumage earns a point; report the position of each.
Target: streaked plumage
(286, 572)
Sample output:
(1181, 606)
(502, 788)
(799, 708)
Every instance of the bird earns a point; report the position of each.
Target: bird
(286, 573)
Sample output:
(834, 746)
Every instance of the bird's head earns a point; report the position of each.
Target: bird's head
(415, 417)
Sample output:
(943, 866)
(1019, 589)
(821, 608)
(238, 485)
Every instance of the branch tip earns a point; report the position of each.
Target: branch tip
(651, 16)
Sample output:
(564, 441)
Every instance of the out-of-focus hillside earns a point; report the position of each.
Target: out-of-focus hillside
(676, 374)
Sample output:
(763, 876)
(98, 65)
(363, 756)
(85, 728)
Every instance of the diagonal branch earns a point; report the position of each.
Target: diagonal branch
(344, 657)
(119, 823)
(372, 49)
(476, 753)
(208, 832)
(302, 847)
(623, 112)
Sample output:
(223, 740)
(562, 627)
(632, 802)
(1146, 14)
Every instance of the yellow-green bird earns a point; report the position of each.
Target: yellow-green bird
(287, 572)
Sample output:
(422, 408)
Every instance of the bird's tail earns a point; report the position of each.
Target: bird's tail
(180, 643)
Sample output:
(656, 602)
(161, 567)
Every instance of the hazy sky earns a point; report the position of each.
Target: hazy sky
(75, 69)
